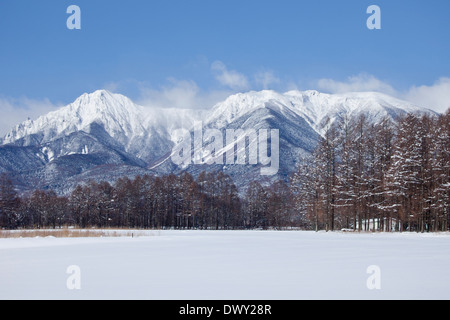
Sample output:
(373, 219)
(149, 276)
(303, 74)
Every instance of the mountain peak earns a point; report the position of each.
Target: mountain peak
(104, 94)
(102, 99)
(96, 95)
(117, 113)
(315, 107)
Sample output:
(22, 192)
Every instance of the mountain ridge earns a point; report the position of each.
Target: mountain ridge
(102, 130)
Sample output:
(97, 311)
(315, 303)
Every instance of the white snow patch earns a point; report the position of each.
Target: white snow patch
(232, 265)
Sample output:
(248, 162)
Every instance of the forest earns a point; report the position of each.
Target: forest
(389, 176)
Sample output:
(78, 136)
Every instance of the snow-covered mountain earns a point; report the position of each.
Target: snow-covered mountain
(143, 132)
(301, 117)
(318, 109)
(102, 135)
(119, 115)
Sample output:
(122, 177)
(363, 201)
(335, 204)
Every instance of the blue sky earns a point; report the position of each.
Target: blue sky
(161, 51)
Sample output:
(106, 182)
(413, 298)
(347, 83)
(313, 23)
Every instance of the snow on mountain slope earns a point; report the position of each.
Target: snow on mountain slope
(129, 123)
(102, 135)
(318, 109)
(301, 117)
(118, 114)
(141, 131)
(322, 109)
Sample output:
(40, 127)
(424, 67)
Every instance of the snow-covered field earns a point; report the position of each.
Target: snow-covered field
(227, 265)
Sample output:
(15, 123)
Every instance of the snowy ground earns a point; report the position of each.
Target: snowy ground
(228, 265)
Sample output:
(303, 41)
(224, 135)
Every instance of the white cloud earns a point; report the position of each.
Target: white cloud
(266, 79)
(359, 83)
(229, 78)
(436, 96)
(15, 111)
(112, 86)
(181, 94)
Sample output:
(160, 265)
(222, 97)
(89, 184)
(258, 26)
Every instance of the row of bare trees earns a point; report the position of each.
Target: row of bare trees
(383, 176)
(209, 202)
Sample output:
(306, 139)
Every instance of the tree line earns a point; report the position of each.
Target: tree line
(362, 176)
(211, 201)
(384, 176)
